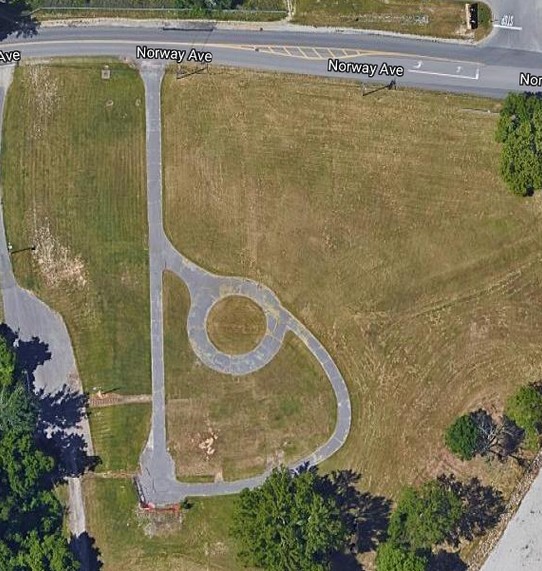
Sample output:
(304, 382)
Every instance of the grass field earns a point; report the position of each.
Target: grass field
(230, 427)
(119, 434)
(236, 325)
(383, 224)
(130, 540)
(74, 186)
(443, 18)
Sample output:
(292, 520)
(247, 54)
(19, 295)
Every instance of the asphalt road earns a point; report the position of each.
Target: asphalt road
(157, 481)
(30, 317)
(485, 69)
(517, 24)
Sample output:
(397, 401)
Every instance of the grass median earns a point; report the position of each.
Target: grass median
(131, 539)
(73, 182)
(440, 18)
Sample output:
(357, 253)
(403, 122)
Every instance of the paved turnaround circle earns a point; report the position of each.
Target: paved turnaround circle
(157, 481)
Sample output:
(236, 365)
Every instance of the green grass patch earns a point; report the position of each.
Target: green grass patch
(119, 434)
(73, 182)
(129, 539)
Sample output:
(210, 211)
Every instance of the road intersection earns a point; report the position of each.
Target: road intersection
(491, 68)
(484, 69)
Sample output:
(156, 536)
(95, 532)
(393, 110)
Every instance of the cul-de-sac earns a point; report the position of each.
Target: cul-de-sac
(271, 285)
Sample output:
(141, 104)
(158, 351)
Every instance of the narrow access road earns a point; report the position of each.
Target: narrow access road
(30, 317)
(157, 481)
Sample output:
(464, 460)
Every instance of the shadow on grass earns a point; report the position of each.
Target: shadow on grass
(366, 516)
(16, 18)
(446, 561)
(484, 506)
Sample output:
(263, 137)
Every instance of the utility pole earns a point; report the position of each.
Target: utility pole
(391, 85)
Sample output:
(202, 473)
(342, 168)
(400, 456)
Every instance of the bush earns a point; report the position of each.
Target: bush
(525, 409)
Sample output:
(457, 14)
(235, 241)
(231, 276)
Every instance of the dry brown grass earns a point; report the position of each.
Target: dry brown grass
(383, 224)
(222, 426)
(441, 18)
(236, 325)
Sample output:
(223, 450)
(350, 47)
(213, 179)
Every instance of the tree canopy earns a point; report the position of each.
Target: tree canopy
(31, 515)
(425, 516)
(391, 557)
(525, 408)
(463, 437)
(520, 131)
(289, 523)
(477, 433)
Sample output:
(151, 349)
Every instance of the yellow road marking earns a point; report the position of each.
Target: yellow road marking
(242, 47)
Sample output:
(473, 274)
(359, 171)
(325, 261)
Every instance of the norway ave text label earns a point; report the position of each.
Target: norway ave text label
(369, 69)
(10, 57)
(144, 52)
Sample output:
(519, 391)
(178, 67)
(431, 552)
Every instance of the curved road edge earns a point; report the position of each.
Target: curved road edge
(30, 317)
(157, 481)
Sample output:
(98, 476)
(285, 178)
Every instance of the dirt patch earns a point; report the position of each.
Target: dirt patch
(45, 96)
(57, 264)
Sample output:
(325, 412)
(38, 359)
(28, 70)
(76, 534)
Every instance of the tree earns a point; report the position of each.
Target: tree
(50, 553)
(520, 131)
(288, 523)
(31, 515)
(16, 18)
(463, 437)
(525, 409)
(476, 433)
(424, 517)
(391, 557)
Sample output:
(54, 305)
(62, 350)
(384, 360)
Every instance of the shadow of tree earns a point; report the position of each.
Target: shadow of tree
(446, 561)
(29, 355)
(87, 553)
(484, 506)
(16, 18)
(70, 453)
(59, 414)
(345, 562)
(366, 516)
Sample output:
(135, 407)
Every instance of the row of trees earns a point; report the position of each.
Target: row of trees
(479, 434)
(439, 513)
(305, 521)
(31, 515)
(39, 449)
